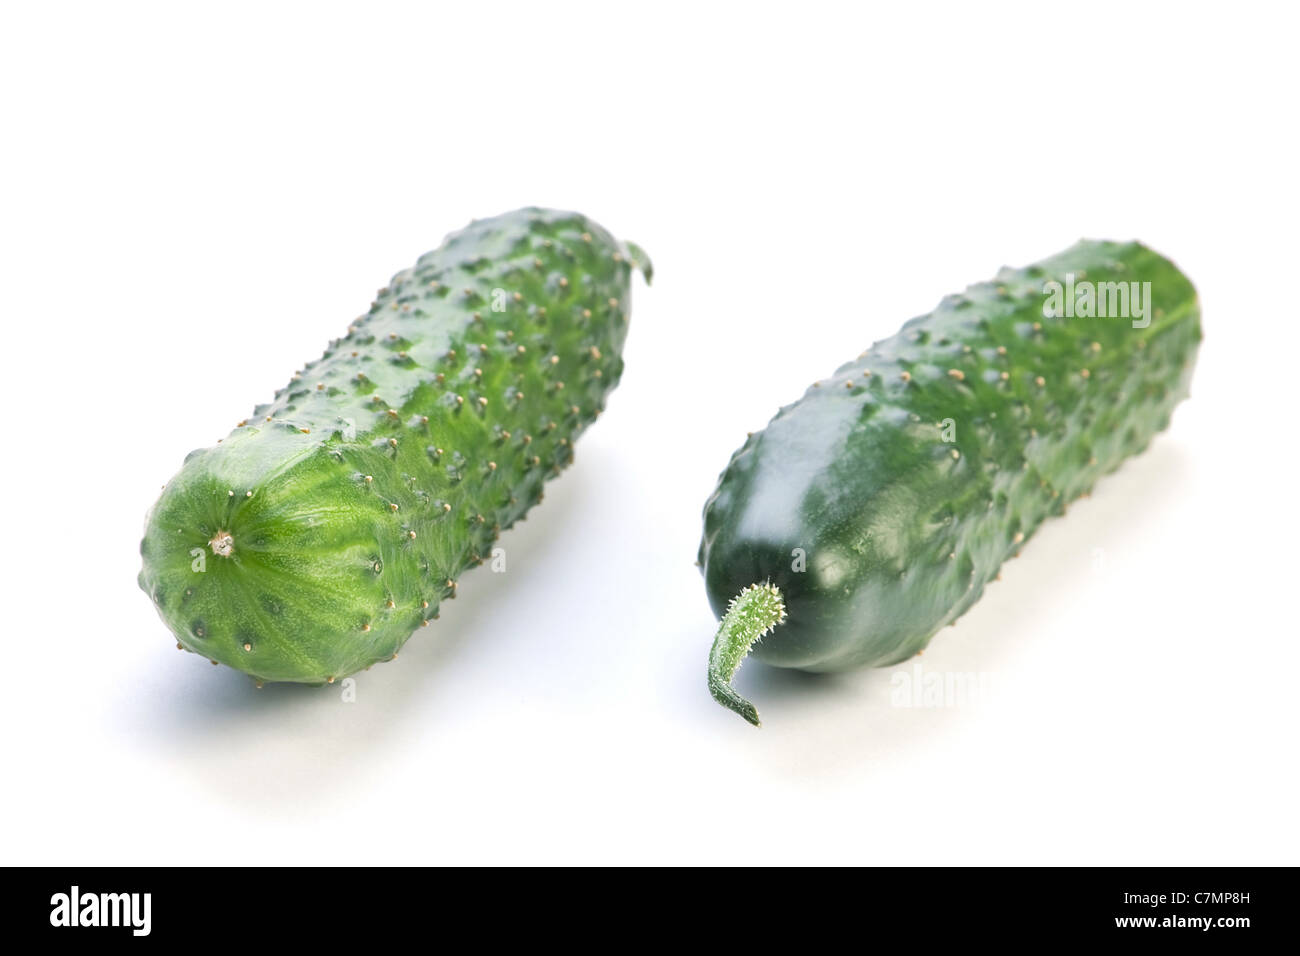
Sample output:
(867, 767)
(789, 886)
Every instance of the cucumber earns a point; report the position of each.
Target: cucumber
(329, 525)
(874, 510)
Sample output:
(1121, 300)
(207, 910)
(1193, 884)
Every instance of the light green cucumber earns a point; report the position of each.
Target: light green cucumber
(331, 523)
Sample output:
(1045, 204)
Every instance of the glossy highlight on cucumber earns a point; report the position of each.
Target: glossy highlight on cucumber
(332, 522)
(876, 508)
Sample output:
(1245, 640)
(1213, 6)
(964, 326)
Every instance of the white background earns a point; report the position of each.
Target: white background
(195, 201)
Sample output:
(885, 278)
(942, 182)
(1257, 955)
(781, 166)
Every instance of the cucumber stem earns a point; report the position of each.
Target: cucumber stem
(751, 614)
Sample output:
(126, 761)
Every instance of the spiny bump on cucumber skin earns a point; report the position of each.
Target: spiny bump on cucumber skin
(903, 530)
(313, 540)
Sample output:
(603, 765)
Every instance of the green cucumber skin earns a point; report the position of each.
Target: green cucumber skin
(465, 386)
(901, 535)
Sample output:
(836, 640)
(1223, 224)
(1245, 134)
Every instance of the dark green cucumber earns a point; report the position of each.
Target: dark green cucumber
(877, 507)
(329, 525)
